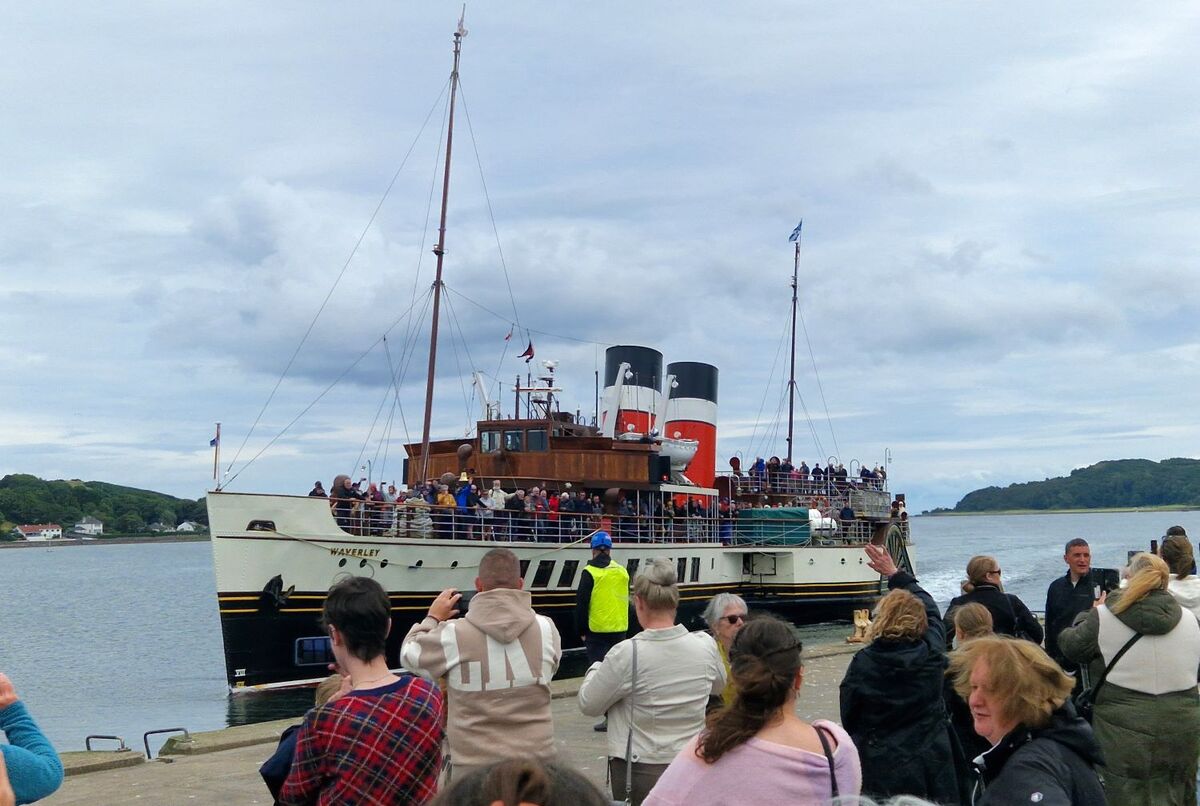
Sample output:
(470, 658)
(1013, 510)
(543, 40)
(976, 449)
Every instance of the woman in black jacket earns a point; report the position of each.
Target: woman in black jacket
(1010, 616)
(1042, 752)
(891, 697)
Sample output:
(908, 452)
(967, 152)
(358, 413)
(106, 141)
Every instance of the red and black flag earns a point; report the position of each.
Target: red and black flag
(528, 354)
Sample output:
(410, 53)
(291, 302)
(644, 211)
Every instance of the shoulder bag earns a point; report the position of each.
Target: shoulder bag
(1085, 701)
(833, 787)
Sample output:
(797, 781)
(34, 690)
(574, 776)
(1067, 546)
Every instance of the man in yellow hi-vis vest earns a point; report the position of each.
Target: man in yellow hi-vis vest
(602, 603)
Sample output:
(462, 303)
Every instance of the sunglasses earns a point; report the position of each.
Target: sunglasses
(735, 618)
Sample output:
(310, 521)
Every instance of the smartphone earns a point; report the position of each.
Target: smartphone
(465, 600)
(1105, 580)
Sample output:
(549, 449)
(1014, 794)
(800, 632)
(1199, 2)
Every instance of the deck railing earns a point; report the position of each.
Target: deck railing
(407, 520)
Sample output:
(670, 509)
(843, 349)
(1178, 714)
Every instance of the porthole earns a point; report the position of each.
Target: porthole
(454, 564)
(383, 563)
(843, 561)
(362, 563)
(342, 563)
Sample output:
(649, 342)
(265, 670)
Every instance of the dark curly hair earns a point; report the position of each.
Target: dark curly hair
(516, 781)
(764, 659)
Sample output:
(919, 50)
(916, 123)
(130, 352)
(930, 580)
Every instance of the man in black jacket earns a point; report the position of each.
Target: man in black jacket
(1068, 596)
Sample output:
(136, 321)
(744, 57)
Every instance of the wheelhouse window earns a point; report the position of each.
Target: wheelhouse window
(535, 439)
(489, 441)
(514, 440)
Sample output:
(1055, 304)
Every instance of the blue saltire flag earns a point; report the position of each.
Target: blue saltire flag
(795, 236)
(212, 443)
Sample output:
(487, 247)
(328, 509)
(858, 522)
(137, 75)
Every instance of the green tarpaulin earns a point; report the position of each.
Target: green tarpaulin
(772, 527)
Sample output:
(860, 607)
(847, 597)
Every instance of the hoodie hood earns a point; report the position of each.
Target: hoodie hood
(1156, 614)
(1186, 591)
(1066, 728)
(502, 613)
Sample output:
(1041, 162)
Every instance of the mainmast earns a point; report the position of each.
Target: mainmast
(440, 251)
(792, 376)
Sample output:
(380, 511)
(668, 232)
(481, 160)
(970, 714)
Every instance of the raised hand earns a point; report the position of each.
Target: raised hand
(8, 694)
(443, 606)
(879, 559)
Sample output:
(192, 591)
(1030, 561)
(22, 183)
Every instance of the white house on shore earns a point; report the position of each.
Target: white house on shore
(38, 531)
(189, 526)
(89, 526)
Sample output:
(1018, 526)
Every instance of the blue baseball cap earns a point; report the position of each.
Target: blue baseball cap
(601, 540)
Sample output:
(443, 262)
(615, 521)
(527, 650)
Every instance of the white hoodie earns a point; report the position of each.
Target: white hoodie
(1186, 591)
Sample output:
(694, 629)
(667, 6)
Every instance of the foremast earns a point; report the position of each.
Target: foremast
(440, 251)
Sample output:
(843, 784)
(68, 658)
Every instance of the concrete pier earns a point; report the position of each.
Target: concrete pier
(222, 766)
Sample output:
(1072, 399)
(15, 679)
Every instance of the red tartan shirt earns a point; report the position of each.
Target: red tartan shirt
(378, 746)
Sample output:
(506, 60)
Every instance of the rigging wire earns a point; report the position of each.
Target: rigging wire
(354, 251)
(491, 213)
(457, 359)
(501, 317)
(324, 392)
(766, 390)
(817, 375)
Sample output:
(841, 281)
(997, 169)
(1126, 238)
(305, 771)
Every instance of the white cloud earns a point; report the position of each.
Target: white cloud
(997, 275)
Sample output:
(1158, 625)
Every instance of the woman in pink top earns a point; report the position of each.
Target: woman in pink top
(757, 750)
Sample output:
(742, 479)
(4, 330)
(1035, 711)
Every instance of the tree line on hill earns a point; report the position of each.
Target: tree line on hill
(26, 499)
(1116, 483)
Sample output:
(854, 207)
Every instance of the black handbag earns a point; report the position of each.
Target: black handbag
(1085, 701)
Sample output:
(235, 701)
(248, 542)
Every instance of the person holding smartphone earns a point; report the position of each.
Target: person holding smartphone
(1071, 594)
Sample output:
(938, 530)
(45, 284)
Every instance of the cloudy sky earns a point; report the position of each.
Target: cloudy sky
(998, 277)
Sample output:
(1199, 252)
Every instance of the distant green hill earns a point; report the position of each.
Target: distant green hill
(1117, 483)
(124, 510)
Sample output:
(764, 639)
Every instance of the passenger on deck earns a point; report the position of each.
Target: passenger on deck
(818, 478)
(317, 491)
(343, 501)
(758, 475)
(773, 465)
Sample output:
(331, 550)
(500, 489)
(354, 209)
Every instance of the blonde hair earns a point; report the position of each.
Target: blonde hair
(1177, 554)
(656, 586)
(973, 620)
(1147, 573)
(978, 567)
(327, 688)
(1027, 685)
(899, 616)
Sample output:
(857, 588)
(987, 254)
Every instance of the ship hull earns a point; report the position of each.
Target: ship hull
(272, 578)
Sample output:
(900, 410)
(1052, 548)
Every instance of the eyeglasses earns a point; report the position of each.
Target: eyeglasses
(734, 619)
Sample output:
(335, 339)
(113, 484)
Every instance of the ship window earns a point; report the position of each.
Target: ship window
(567, 578)
(681, 569)
(535, 439)
(489, 441)
(524, 568)
(513, 440)
(260, 526)
(695, 575)
(314, 651)
(541, 578)
(632, 566)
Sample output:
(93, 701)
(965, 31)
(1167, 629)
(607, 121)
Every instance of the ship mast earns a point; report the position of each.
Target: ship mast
(440, 251)
(792, 376)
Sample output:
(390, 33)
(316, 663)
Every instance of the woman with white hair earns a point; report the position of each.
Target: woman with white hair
(725, 616)
(654, 687)
(1147, 713)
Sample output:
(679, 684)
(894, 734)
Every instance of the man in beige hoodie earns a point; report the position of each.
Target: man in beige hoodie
(498, 661)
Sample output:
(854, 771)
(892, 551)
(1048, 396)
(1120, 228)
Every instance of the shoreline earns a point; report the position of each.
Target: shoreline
(1096, 511)
(59, 542)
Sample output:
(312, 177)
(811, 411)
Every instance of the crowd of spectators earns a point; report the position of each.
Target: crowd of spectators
(781, 476)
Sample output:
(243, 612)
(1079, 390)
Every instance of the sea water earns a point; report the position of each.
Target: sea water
(123, 639)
